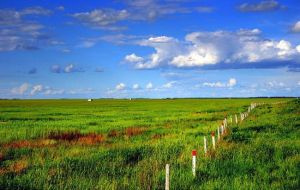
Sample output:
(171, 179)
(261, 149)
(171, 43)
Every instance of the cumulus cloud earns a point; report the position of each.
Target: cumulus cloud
(298, 48)
(135, 86)
(36, 89)
(149, 85)
(165, 48)
(70, 68)
(120, 86)
(248, 48)
(296, 27)
(231, 83)
(275, 84)
(132, 58)
(268, 5)
(20, 90)
(169, 84)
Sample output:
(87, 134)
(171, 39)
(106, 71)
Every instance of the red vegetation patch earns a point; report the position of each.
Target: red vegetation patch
(30, 143)
(66, 136)
(76, 136)
(91, 139)
(113, 133)
(17, 166)
(134, 131)
(1, 156)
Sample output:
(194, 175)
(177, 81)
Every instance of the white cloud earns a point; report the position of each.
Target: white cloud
(298, 48)
(231, 83)
(214, 84)
(299, 83)
(247, 47)
(120, 86)
(102, 18)
(20, 32)
(149, 85)
(60, 8)
(160, 39)
(135, 10)
(296, 27)
(69, 68)
(21, 89)
(132, 58)
(165, 48)
(50, 91)
(36, 89)
(275, 84)
(135, 86)
(266, 5)
(169, 84)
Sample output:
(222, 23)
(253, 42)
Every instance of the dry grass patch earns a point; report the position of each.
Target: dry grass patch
(113, 133)
(134, 131)
(30, 143)
(91, 139)
(17, 167)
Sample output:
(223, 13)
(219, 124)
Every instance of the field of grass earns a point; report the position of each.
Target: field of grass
(123, 144)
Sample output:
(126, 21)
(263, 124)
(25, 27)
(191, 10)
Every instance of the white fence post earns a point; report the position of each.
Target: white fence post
(167, 187)
(236, 119)
(194, 153)
(213, 140)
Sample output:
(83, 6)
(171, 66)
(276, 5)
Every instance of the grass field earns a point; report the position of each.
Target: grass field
(123, 144)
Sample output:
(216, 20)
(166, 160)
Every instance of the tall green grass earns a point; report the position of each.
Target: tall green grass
(262, 152)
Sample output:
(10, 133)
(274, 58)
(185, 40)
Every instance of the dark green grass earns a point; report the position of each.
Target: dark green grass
(260, 153)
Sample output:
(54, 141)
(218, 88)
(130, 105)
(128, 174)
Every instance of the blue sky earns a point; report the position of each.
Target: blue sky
(149, 48)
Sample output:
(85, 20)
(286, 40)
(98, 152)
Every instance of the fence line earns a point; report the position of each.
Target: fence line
(221, 131)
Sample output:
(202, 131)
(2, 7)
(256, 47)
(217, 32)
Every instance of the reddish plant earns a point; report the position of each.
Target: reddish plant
(133, 131)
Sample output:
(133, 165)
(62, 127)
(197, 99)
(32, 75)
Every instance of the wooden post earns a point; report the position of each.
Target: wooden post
(236, 119)
(167, 187)
(213, 140)
(219, 134)
(194, 153)
(205, 146)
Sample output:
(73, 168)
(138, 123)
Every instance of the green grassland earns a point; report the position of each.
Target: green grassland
(125, 144)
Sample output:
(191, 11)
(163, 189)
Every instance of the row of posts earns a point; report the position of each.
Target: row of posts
(221, 131)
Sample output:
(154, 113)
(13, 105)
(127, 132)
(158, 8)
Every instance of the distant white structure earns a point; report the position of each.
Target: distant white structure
(90, 100)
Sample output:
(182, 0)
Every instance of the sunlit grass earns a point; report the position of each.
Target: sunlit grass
(123, 144)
